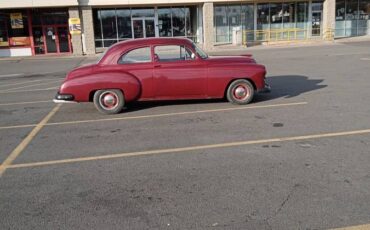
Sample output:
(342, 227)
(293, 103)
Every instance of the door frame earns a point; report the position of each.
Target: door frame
(321, 18)
(144, 25)
(55, 27)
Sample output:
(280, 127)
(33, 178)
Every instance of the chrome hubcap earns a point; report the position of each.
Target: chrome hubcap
(241, 92)
(109, 100)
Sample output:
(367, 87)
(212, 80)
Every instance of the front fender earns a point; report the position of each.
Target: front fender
(82, 86)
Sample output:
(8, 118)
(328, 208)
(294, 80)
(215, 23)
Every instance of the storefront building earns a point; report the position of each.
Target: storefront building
(38, 27)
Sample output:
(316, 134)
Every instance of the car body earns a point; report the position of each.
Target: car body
(160, 69)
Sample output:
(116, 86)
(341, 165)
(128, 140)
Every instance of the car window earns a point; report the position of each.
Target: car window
(139, 55)
(173, 53)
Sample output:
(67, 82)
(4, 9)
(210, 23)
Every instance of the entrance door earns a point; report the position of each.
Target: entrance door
(57, 39)
(50, 38)
(63, 39)
(316, 23)
(143, 27)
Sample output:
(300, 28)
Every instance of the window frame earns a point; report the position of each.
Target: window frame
(170, 61)
(119, 62)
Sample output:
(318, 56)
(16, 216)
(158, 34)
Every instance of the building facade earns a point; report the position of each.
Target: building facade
(38, 27)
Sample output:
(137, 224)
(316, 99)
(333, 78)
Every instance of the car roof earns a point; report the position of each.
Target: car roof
(123, 46)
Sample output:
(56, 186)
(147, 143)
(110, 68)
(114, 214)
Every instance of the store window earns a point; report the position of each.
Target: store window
(124, 24)
(113, 25)
(263, 16)
(165, 22)
(352, 18)
(221, 24)
(3, 31)
(14, 30)
(178, 21)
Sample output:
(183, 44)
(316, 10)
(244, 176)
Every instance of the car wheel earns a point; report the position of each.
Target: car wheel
(240, 92)
(109, 101)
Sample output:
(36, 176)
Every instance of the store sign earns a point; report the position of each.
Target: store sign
(74, 26)
(16, 20)
(20, 41)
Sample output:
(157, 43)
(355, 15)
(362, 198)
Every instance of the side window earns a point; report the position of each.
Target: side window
(172, 53)
(139, 55)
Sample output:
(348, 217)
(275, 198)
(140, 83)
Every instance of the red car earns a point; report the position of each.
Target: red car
(162, 69)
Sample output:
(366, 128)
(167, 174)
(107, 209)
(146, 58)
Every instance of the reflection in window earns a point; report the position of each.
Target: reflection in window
(178, 21)
(164, 22)
(289, 15)
(221, 23)
(142, 12)
(352, 18)
(263, 14)
(108, 19)
(276, 15)
(140, 55)
(124, 24)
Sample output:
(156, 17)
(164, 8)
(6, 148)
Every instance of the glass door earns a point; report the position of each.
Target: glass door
(149, 28)
(63, 39)
(138, 28)
(143, 27)
(38, 40)
(316, 23)
(50, 39)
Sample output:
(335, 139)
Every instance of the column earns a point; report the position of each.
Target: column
(328, 19)
(88, 29)
(75, 38)
(208, 36)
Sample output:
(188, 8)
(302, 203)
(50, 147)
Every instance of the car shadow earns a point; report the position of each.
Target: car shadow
(288, 86)
(282, 86)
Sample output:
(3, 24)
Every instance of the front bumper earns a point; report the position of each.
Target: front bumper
(266, 89)
(64, 98)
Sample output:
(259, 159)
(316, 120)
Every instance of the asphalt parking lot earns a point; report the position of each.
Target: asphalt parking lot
(297, 158)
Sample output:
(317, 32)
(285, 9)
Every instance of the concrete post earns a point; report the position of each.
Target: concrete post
(75, 38)
(328, 19)
(208, 26)
(88, 29)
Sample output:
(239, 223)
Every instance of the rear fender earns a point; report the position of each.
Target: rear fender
(82, 87)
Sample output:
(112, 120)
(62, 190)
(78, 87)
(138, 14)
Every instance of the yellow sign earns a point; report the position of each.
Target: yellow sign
(74, 26)
(16, 20)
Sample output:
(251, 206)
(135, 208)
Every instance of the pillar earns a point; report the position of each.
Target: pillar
(75, 38)
(328, 19)
(208, 33)
(88, 29)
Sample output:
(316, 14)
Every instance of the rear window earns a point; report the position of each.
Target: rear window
(139, 55)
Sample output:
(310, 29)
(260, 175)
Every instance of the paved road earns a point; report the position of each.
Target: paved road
(297, 158)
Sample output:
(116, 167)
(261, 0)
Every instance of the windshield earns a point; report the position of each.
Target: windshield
(199, 51)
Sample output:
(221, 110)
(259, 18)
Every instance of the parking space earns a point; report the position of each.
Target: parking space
(294, 158)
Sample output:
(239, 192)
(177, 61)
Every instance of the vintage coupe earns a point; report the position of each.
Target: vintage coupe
(162, 69)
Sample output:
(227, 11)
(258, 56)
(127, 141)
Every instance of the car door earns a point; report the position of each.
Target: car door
(178, 73)
(138, 62)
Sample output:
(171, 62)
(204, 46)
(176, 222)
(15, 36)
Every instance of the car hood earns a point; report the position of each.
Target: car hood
(232, 59)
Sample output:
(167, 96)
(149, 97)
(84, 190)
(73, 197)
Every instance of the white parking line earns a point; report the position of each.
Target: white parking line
(189, 149)
(25, 102)
(26, 86)
(30, 90)
(159, 115)
(11, 75)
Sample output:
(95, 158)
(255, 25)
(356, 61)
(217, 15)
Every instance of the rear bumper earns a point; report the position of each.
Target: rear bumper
(266, 89)
(64, 98)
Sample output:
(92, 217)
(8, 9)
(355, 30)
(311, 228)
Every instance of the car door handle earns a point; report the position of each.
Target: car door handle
(157, 65)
